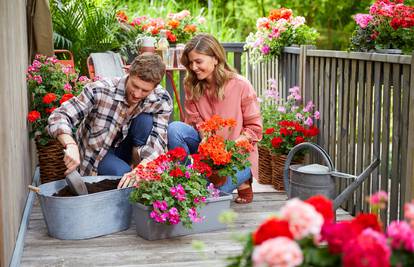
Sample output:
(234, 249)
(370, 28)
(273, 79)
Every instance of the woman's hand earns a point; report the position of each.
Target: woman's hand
(130, 178)
(71, 158)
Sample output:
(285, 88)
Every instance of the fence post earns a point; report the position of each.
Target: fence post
(304, 72)
(409, 188)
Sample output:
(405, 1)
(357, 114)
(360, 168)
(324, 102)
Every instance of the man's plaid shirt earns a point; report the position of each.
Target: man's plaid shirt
(101, 112)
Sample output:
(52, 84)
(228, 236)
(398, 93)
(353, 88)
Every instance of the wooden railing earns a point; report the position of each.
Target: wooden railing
(364, 100)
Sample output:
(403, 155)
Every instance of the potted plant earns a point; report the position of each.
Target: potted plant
(286, 123)
(276, 31)
(50, 84)
(172, 198)
(388, 28)
(305, 234)
(225, 157)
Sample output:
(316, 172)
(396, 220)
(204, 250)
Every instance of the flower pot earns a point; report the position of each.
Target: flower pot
(51, 163)
(216, 179)
(278, 164)
(265, 166)
(85, 216)
(148, 229)
(389, 51)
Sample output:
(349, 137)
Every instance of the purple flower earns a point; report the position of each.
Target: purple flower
(317, 115)
(187, 175)
(281, 109)
(214, 192)
(173, 216)
(178, 192)
(265, 49)
(309, 106)
(161, 205)
(309, 121)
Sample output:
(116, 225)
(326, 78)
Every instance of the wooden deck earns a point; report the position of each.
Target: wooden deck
(127, 249)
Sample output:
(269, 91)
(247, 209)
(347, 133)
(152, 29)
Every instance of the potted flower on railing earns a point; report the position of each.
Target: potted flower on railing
(170, 196)
(225, 157)
(286, 123)
(50, 84)
(304, 234)
(388, 28)
(276, 31)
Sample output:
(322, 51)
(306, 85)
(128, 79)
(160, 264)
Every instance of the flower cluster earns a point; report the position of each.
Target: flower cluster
(286, 123)
(305, 234)
(225, 157)
(50, 84)
(276, 31)
(176, 192)
(180, 27)
(389, 25)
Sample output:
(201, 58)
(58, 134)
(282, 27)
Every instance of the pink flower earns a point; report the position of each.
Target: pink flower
(38, 79)
(309, 121)
(298, 21)
(159, 217)
(277, 252)
(281, 109)
(409, 211)
(401, 235)
(199, 199)
(178, 192)
(368, 249)
(272, 94)
(36, 64)
(378, 198)
(161, 205)
(214, 192)
(299, 116)
(317, 115)
(362, 20)
(192, 214)
(187, 175)
(265, 49)
(262, 23)
(201, 20)
(173, 216)
(67, 87)
(303, 219)
(309, 106)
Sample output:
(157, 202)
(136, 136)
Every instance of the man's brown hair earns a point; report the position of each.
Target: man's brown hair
(148, 67)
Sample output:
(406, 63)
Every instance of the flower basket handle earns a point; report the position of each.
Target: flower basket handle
(299, 147)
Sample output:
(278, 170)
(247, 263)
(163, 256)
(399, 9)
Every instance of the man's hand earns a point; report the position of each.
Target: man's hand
(129, 178)
(71, 158)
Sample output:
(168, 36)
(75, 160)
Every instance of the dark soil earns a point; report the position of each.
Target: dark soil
(100, 186)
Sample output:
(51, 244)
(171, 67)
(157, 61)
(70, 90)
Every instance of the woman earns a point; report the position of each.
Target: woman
(213, 88)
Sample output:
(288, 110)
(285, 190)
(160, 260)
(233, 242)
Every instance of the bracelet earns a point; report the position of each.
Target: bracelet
(70, 143)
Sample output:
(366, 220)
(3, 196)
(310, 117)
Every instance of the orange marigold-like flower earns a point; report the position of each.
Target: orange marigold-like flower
(190, 28)
(244, 145)
(215, 123)
(173, 23)
(281, 13)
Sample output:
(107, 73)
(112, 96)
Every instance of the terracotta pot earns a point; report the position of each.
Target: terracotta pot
(216, 179)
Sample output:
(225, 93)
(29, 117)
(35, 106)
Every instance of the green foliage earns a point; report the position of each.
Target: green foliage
(245, 258)
(84, 27)
(317, 255)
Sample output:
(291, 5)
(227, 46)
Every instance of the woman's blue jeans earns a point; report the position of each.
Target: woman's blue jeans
(117, 161)
(185, 136)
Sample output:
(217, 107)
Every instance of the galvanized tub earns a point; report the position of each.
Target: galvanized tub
(85, 216)
(148, 229)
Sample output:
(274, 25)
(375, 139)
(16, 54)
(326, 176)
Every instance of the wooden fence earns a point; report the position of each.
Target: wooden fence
(364, 100)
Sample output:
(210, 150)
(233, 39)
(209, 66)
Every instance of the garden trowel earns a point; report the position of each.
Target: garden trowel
(76, 183)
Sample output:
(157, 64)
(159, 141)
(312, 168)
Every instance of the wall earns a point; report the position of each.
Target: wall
(15, 162)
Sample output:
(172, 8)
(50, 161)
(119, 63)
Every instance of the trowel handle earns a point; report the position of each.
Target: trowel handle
(34, 188)
(294, 150)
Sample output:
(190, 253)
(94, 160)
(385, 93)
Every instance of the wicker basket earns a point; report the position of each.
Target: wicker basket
(51, 163)
(265, 166)
(278, 164)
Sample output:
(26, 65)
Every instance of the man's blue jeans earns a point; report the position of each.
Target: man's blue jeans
(185, 136)
(117, 161)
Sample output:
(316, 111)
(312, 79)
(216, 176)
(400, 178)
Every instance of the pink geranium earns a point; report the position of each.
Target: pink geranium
(368, 249)
(278, 252)
(363, 20)
(401, 235)
(303, 219)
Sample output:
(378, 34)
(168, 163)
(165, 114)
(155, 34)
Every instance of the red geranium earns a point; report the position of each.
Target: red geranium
(49, 98)
(270, 131)
(65, 98)
(271, 228)
(177, 172)
(177, 153)
(276, 141)
(367, 220)
(323, 205)
(33, 116)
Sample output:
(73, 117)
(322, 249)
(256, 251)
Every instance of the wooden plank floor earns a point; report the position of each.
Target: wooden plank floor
(127, 249)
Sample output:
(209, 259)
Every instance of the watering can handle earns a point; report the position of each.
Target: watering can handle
(294, 150)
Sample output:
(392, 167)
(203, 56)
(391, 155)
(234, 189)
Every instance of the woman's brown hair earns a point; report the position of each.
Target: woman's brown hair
(206, 44)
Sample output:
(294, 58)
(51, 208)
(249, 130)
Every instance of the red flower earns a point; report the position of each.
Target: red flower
(367, 220)
(49, 98)
(171, 37)
(200, 166)
(50, 110)
(299, 139)
(285, 132)
(338, 234)
(65, 98)
(270, 131)
(276, 141)
(323, 205)
(177, 172)
(177, 153)
(271, 228)
(33, 116)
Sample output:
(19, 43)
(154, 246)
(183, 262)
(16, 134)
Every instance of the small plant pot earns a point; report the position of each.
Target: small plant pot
(148, 229)
(216, 179)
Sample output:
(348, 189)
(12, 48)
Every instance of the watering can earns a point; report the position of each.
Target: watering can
(309, 180)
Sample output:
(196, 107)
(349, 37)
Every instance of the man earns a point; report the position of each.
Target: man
(119, 119)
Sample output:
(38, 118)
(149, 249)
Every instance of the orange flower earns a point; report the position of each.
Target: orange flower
(215, 123)
(190, 28)
(245, 145)
(281, 13)
(173, 23)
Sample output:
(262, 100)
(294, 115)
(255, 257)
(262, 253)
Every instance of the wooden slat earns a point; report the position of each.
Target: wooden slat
(352, 127)
(395, 162)
(320, 100)
(387, 58)
(359, 203)
(237, 61)
(385, 133)
(333, 109)
(368, 130)
(339, 155)
(377, 124)
(345, 125)
(326, 106)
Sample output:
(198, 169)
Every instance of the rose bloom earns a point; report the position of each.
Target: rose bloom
(277, 252)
